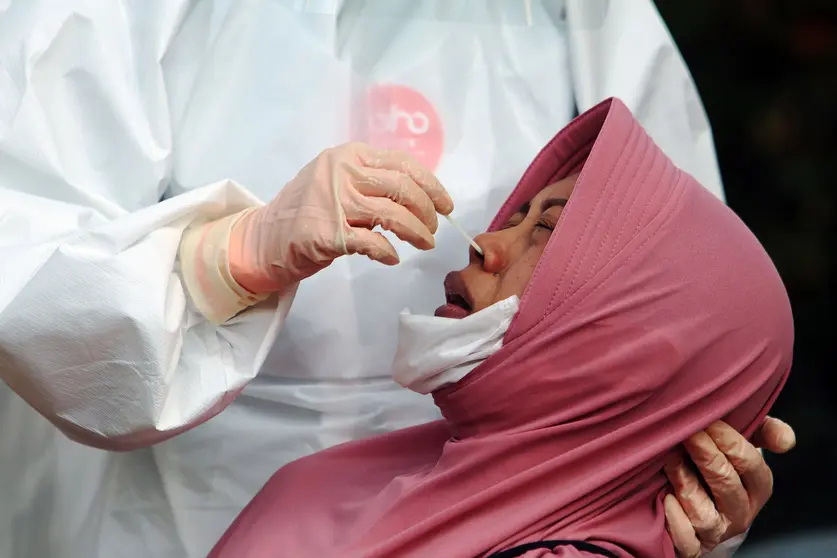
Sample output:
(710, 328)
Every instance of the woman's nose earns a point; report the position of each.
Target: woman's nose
(493, 251)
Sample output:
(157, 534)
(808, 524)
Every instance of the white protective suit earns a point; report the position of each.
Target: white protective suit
(122, 121)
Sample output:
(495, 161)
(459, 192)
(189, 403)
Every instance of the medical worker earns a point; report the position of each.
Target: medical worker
(141, 292)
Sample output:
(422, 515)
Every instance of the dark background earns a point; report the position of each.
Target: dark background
(767, 74)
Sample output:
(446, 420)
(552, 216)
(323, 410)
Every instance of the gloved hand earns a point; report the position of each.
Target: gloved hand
(328, 211)
(739, 479)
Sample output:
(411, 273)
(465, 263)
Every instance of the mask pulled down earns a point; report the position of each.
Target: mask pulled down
(434, 352)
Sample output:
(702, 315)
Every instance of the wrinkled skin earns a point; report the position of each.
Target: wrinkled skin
(739, 480)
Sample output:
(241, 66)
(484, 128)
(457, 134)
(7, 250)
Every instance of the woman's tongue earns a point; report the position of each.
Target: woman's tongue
(451, 311)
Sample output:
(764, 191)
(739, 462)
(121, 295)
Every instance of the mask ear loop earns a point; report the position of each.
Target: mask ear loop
(464, 234)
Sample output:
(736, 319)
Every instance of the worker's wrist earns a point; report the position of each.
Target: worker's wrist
(205, 266)
(244, 265)
(241, 260)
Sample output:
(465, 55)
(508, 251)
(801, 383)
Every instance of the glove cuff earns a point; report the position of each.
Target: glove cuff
(205, 268)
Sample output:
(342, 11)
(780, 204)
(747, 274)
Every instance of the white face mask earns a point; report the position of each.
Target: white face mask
(433, 352)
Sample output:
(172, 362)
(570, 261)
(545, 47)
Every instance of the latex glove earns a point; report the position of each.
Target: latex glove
(737, 476)
(328, 211)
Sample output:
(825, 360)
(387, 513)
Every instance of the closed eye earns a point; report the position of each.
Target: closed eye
(545, 225)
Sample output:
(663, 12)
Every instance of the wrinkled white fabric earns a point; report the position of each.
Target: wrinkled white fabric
(644, 69)
(433, 352)
(104, 386)
(107, 108)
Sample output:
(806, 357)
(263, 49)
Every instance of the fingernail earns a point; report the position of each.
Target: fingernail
(787, 440)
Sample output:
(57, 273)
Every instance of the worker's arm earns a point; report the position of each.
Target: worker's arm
(97, 330)
(126, 331)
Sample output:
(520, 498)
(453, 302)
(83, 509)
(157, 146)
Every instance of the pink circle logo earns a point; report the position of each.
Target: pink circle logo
(402, 119)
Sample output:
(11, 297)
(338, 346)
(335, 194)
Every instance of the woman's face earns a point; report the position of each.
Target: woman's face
(510, 255)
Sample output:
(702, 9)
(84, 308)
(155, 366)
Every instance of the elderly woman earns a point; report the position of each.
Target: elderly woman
(617, 308)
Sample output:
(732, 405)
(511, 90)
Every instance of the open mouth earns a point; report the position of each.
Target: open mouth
(458, 303)
(458, 300)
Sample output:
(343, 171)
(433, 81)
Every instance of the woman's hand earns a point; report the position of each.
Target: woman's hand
(330, 209)
(738, 478)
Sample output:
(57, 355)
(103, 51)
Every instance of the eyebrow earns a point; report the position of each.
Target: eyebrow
(545, 205)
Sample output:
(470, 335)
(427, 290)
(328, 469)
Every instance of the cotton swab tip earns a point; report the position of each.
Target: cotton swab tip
(464, 234)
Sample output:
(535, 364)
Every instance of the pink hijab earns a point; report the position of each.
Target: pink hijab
(652, 313)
